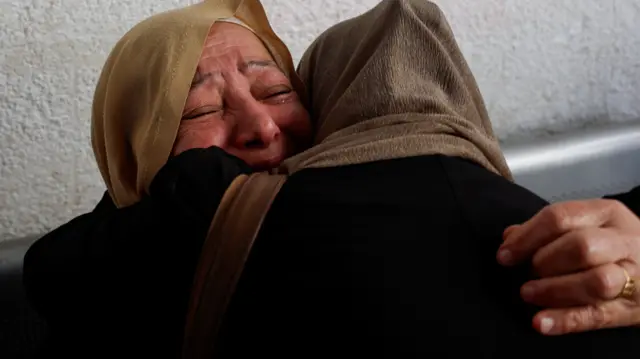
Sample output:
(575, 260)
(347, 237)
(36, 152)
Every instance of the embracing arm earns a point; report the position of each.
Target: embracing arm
(131, 268)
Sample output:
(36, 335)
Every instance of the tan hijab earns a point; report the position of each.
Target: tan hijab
(392, 83)
(144, 85)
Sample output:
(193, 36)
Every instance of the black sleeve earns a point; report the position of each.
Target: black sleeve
(124, 275)
(630, 199)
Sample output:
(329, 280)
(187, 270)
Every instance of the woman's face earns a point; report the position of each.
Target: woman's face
(242, 102)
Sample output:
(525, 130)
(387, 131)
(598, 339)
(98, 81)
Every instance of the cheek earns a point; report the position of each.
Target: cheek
(200, 134)
(293, 120)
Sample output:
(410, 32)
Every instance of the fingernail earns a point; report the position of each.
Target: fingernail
(546, 324)
(505, 256)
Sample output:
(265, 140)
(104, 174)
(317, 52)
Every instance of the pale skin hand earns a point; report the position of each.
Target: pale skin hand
(578, 251)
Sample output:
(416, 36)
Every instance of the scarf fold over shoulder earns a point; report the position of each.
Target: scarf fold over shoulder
(144, 85)
(393, 83)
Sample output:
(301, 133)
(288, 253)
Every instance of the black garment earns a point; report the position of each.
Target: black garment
(115, 283)
(630, 199)
(395, 259)
(390, 259)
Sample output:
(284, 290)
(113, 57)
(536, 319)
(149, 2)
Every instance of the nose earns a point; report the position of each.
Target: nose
(255, 128)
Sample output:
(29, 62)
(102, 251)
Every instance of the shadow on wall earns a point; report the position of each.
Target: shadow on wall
(524, 133)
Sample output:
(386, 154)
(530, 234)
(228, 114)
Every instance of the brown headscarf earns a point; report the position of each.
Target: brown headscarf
(393, 83)
(145, 82)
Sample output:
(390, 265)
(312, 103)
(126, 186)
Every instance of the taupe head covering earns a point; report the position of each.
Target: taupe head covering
(145, 82)
(393, 83)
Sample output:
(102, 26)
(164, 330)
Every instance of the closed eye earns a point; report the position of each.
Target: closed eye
(199, 113)
(280, 93)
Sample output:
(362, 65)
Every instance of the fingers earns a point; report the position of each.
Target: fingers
(557, 219)
(591, 287)
(582, 249)
(612, 314)
(509, 230)
(579, 249)
(596, 306)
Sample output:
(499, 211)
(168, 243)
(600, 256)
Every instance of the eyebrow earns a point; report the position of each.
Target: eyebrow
(200, 77)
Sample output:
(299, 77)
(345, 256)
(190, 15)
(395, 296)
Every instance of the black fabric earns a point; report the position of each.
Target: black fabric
(387, 259)
(115, 283)
(631, 199)
(394, 259)
(21, 329)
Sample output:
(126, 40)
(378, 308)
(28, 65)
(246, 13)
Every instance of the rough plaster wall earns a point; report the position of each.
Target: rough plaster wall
(543, 65)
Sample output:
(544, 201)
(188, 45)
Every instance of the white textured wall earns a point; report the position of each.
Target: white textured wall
(542, 64)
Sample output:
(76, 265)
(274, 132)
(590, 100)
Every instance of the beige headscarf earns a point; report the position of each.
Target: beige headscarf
(144, 85)
(393, 83)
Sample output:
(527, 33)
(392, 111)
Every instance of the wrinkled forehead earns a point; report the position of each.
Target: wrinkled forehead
(232, 47)
(224, 36)
(227, 37)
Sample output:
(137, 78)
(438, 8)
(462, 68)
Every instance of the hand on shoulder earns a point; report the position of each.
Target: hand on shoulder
(586, 256)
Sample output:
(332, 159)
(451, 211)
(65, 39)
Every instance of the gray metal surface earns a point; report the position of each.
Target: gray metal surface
(578, 165)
